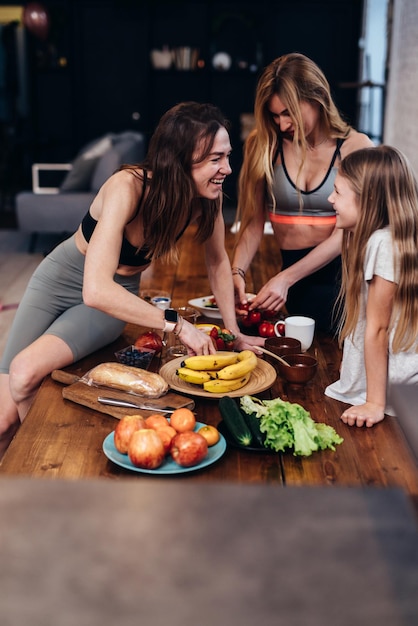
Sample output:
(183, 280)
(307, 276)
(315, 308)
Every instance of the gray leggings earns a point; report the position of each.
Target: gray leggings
(53, 305)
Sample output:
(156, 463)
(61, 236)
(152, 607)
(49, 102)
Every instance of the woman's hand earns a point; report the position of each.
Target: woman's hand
(195, 340)
(366, 414)
(240, 297)
(273, 295)
(247, 342)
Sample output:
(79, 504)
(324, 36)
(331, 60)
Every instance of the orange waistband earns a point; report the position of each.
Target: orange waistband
(310, 220)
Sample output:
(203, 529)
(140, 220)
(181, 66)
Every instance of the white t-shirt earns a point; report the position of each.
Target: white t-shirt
(402, 366)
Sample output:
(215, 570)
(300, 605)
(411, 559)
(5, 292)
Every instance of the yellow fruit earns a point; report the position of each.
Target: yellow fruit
(223, 386)
(247, 361)
(196, 377)
(210, 361)
(210, 433)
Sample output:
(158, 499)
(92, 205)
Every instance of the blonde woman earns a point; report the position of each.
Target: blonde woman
(376, 202)
(289, 167)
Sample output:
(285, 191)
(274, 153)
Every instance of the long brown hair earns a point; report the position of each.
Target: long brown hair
(294, 78)
(187, 129)
(387, 193)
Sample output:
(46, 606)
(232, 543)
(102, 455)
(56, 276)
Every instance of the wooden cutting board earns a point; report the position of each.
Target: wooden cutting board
(86, 395)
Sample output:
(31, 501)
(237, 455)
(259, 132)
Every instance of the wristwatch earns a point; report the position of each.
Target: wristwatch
(171, 318)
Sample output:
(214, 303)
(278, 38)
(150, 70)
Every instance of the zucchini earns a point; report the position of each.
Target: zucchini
(253, 423)
(234, 421)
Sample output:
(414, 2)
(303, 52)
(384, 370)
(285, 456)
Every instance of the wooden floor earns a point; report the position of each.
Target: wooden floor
(15, 271)
(17, 267)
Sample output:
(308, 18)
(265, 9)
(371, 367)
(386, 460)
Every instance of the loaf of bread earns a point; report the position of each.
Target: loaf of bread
(127, 378)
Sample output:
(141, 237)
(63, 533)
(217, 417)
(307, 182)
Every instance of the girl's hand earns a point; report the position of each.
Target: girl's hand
(366, 414)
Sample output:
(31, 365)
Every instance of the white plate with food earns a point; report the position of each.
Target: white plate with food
(207, 306)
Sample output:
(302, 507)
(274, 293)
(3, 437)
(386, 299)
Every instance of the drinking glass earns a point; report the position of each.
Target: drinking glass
(175, 347)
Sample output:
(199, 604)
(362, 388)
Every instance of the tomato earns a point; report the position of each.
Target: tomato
(244, 307)
(266, 329)
(255, 317)
(246, 322)
(269, 314)
(151, 340)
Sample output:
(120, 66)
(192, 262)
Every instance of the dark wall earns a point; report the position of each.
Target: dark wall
(93, 74)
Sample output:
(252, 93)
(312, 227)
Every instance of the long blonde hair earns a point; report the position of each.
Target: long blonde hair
(294, 78)
(387, 194)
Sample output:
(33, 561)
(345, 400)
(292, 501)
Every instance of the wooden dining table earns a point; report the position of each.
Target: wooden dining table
(62, 439)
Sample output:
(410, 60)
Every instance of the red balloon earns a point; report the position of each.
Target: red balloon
(36, 19)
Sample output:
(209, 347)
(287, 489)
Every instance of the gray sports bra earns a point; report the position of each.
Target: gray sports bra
(314, 208)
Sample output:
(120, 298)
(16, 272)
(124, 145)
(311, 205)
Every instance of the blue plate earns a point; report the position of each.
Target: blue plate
(169, 466)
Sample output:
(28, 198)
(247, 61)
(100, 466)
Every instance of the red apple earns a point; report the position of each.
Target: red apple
(124, 430)
(146, 449)
(151, 340)
(188, 448)
(167, 434)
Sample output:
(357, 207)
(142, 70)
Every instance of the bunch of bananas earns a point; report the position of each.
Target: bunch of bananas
(219, 373)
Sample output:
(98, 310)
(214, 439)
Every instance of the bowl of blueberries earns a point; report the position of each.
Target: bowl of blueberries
(135, 357)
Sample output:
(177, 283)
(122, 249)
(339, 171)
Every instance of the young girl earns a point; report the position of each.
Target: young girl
(376, 201)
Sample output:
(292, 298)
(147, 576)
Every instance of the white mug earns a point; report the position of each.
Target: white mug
(298, 327)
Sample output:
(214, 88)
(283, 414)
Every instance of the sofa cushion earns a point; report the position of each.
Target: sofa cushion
(130, 149)
(54, 213)
(79, 177)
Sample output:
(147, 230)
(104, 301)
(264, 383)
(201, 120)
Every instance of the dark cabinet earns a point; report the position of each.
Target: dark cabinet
(108, 83)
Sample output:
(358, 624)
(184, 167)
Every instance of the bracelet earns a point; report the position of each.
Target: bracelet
(238, 271)
(180, 322)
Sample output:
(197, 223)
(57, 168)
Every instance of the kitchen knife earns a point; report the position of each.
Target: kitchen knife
(146, 406)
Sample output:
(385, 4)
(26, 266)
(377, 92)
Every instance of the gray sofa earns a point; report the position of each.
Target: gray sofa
(59, 210)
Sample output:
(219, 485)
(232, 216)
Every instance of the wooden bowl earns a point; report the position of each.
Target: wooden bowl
(302, 368)
(283, 345)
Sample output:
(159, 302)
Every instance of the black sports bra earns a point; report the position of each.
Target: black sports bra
(129, 254)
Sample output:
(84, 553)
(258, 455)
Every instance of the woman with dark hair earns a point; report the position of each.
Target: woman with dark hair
(85, 291)
(290, 161)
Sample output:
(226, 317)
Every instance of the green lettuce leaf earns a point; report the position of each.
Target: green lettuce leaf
(288, 425)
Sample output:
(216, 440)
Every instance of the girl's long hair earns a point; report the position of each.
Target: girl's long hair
(387, 193)
(184, 136)
(295, 79)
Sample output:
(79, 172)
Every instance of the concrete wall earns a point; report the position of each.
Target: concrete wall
(401, 119)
